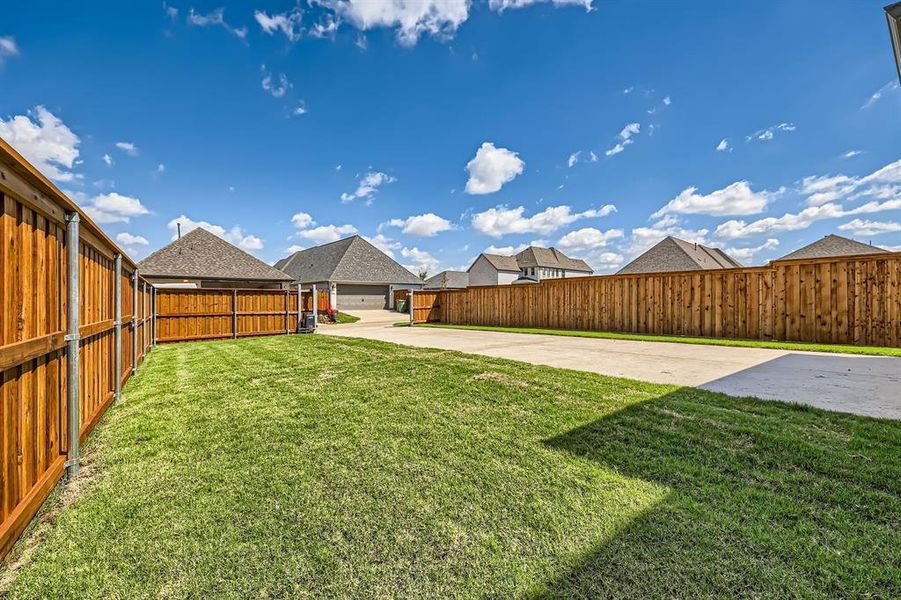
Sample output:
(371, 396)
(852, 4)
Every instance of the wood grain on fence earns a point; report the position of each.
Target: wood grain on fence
(33, 352)
(840, 300)
(208, 314)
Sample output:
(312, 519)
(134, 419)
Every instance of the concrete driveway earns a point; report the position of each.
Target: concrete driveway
(864, 385)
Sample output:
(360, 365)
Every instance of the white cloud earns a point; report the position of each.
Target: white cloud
(421, 260)
(769, 133)
(114, 208)
(410, 18)
(107, 159)
(884, 184)
(299, 110)
(127, 239)
(326, 28)
(328, 233)
(500, 220)
(588, 238)
(385, 244)
(852, 153)
(426, 225)
(235, 235)
(491, 168)
(802, 220)
(294, 248)
(171, 11)
(289, 23)
(45, 142)
(128, 148)
(723, 146)
(507, 250)
(277, 88)
(302, 220)
(8, 48)
(625, 137)
(863, 227)
(667, 101)
(216, 17)
(573, 159)
(645, 237)
(502, 5)
(368, 186)
(734, 199)
(745, 255)
(161, 168)
(878, 94)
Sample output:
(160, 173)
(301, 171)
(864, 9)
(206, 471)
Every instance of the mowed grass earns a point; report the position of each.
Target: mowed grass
(343, 317)
(314, 466)
(678, 339)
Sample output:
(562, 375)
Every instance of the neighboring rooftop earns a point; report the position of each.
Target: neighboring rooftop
(349, 260)
(445, 280)
(833, 245)
(203, 255)
(501, 262)
(536, 256)
(673, 254)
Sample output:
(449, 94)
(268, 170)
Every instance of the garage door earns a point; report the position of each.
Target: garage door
(363, 297)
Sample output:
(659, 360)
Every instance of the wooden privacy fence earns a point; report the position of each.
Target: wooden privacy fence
(840, 300)
(58, 335)
(208, 314)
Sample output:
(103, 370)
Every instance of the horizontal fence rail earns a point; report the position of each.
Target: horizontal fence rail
(41, 233)
(840, 300)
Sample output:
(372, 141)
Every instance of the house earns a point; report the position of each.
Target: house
(357, 274)
(200, 259)
(533, 262)
(673, 254)
(833, 245)
(448, 280)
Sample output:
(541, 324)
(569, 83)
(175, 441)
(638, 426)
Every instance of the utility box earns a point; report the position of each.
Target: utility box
(308, 323)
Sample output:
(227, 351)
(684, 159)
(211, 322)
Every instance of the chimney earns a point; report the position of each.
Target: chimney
(179, 229)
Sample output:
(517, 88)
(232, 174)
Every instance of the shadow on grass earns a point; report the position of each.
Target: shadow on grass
(765, 500)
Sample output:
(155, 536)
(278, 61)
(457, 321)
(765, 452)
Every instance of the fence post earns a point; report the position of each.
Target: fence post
(144, 324)
(118, 323)
(73, 318)
(234, 313)
(134, 322)
(411, 305)
(299, 309)
(152, 317)
(315, 309)
(287, 311)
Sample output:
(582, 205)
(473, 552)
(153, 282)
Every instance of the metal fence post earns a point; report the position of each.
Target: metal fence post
(134, 322)
(315, 309)
(234, 314)
(411, 306)
(73, 318)
(118, 323)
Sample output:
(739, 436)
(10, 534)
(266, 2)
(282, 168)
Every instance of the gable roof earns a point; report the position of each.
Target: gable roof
(499, 262)
(833, 245)
(352, 259)
(536, 256)
(448, 280)
(203, 255)
(673, 254)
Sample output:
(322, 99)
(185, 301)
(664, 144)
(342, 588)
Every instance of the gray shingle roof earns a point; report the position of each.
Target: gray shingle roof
(447, 280)
(203, 255)
(673, 254)
(352, 259)
(501, 263)
(833, 245)
(535, 256)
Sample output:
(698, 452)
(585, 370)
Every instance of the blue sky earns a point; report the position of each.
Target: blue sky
(441, 128)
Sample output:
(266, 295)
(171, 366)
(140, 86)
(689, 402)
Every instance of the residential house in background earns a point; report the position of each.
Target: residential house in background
(448, 280)
(357, 274)
(200, 259)
(534, 263)
(673, 254)
(833, 245)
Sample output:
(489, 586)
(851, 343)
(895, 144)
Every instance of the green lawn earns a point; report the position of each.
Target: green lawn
(298, 466)
(343, 317)
(643, 337)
